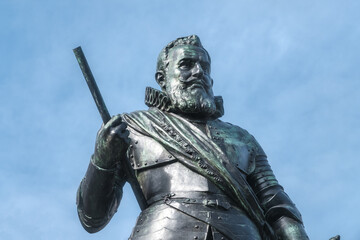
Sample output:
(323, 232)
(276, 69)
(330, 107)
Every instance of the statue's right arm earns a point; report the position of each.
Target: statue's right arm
(100, 191)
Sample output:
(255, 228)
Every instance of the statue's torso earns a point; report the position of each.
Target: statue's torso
(160, 174)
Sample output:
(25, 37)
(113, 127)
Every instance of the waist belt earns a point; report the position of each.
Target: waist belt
(204, 198)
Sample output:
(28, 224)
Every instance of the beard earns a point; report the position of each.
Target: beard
(193, 100)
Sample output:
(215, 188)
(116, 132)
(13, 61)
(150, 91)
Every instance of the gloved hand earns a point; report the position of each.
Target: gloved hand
(111, 143)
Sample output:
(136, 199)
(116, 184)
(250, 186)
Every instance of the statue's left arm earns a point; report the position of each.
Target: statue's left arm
(280, 212)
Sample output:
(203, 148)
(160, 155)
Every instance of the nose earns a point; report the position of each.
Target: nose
(197, 70)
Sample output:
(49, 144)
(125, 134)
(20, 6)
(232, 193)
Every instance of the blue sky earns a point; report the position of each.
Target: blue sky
(289, 73)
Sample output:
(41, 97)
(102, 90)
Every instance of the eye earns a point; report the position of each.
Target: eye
(206, 67)
(186, 64)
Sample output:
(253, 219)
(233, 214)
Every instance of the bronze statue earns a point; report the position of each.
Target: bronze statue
(200, 177)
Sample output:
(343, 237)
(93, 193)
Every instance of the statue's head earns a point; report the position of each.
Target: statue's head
(183, 72)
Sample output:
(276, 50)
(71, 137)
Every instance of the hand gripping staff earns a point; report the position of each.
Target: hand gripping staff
(100, 104)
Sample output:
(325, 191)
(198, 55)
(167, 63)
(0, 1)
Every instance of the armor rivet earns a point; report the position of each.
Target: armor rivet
(137, 230)
(217, 133)
(196, 237)
(136, 142)
(170, 156)
(219, 218)
(132, 164)
(131, 156)
(156, 160)
(138, 165)
(222, 238)
(196, 226)
(145, 164)
(130, 146)
(210, 127)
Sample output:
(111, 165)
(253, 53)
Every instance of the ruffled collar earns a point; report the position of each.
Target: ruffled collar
(160, 100)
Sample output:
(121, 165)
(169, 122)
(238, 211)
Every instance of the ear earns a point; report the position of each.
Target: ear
(160, 79)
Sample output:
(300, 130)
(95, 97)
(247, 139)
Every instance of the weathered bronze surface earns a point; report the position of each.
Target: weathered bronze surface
(202, 178)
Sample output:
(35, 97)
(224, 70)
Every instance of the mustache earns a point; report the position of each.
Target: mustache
(194, 81)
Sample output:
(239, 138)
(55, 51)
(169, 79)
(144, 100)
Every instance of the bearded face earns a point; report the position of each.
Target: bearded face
(188, 82)
(192, 99)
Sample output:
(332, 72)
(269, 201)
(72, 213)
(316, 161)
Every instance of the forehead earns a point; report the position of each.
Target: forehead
(188, 51)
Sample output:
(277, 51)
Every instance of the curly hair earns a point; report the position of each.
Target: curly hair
(163, 62)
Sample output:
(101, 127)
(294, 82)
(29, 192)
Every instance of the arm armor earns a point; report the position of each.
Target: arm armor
(280, 212)
(98, 196)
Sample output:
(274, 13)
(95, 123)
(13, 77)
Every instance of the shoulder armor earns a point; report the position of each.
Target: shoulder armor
(240, 146)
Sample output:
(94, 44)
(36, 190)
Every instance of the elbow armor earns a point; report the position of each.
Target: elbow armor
(270, 193)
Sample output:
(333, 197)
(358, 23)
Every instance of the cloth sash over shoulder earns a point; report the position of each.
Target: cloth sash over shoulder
(198, 152)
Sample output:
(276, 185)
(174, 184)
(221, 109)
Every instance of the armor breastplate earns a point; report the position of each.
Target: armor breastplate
(159, 172)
